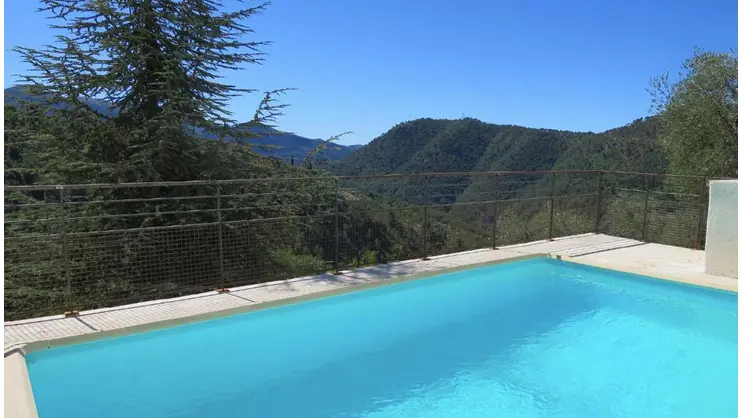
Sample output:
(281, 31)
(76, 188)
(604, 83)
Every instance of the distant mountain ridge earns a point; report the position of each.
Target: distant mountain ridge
(463, 145)
(469, 145)
(447, 145)
(272, 143)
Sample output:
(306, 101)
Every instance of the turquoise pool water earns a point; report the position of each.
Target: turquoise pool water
(535, 338)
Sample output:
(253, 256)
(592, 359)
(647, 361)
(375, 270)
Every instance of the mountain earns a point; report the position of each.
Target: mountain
(15, 94)
(467, 145)
(632, 147)
(271, 143)
(285, 145)
(463, 145)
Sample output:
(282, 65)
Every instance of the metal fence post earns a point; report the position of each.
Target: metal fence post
(425, 232)
(599, 195)
(702, 204)
(645, 210)
(494, 225)
(425, 219)
(66, 252)
(222, 285)
(552, 209)
(336, 264)
(494, 222)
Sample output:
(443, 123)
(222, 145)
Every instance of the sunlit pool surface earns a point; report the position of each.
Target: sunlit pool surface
(535, 338)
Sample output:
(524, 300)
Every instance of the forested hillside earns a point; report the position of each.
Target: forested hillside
(440, 145)
(634, 147)
(470, 145)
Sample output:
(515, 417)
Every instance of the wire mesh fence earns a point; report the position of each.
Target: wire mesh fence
(78, 247)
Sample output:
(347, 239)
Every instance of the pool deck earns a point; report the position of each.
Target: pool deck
(672, 263)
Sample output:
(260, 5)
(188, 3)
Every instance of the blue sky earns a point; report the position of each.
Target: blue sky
(364, 66)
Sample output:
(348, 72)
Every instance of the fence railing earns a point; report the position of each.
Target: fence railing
(86, 246)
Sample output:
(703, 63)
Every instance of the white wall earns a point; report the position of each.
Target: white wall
(721, 251)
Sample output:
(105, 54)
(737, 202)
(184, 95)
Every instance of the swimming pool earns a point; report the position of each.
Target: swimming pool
(531, 338)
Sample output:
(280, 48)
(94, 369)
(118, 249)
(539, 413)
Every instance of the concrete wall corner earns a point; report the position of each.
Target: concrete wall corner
(721, 249)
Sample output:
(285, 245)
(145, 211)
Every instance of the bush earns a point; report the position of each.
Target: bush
(288, 264)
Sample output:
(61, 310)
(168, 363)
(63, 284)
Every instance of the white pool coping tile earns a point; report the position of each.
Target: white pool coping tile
(18, 396)
(44, 330)
(129, 317)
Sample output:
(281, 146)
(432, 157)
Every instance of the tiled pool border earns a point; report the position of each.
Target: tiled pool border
(19, 401)
(691, 279)
(26, 348)
(157, 325)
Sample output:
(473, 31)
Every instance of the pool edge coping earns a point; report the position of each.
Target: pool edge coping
(27, 348)
(18, 395)
(698, 280)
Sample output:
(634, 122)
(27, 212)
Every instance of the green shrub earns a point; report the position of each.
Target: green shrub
(289, 264)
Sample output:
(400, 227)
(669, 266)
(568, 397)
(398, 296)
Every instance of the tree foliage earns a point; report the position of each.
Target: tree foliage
(158, 63)
(699, 114)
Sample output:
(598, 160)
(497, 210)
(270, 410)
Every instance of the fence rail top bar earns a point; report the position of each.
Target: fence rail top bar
(157, 183)
(467, 174)
(40, 187)
(687, 176)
